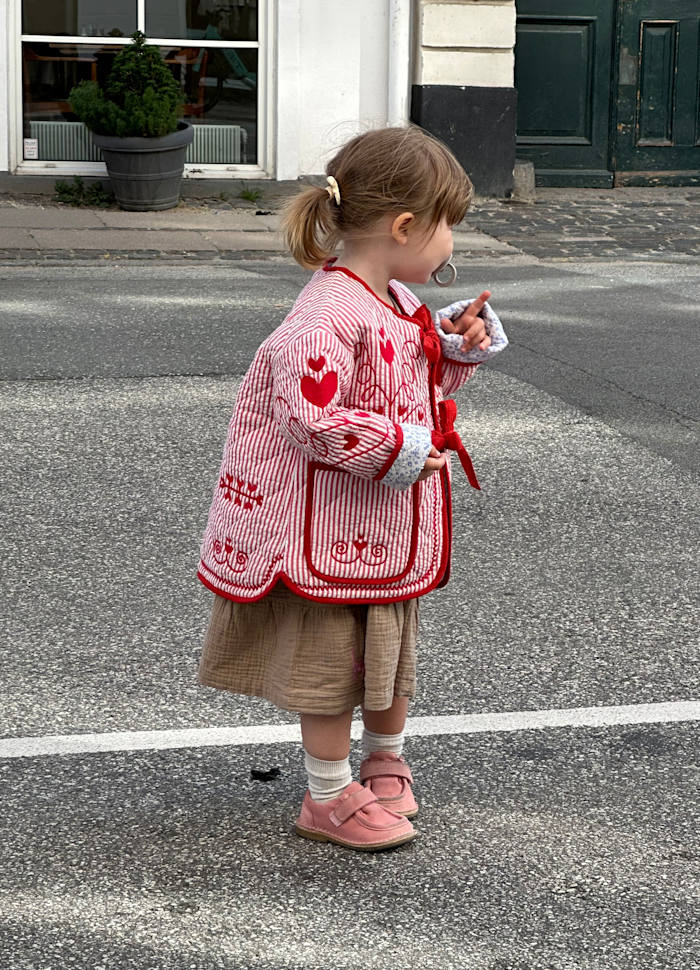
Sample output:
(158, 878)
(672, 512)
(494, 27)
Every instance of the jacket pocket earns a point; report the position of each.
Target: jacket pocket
(357, 530)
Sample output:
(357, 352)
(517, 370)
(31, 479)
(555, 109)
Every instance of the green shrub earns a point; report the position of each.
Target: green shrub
(79, 194)
(250, 195)
(140, 97)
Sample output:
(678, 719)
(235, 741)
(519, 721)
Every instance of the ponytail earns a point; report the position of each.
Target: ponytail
(381, 172)
(309, 228)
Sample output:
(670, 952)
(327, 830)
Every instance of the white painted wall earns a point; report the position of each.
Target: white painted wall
(332, 70)
(4, 86)
(466, 43)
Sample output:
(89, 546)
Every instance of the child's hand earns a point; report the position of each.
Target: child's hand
(470, 324)
(433, 463)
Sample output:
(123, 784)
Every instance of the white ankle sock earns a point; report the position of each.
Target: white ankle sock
(327, 779)
(381, 742)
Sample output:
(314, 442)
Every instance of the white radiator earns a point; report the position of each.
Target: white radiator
(218, 145)
(64, 141)
(70, 141)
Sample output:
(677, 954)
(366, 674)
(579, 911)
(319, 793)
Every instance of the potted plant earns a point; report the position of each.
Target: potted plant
(135, 119)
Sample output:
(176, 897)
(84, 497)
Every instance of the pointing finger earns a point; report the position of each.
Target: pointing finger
(477, 305)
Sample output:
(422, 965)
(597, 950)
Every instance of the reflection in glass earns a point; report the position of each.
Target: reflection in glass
(85, 18)
(49, 71)
(202, 19)
(219, 87)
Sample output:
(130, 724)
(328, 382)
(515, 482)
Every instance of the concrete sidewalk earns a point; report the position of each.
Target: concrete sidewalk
(45, 230)
(562, 225)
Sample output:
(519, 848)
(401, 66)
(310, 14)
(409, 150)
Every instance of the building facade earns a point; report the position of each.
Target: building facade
(272, 87)
(587, 89)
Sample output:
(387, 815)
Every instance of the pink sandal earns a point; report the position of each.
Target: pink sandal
(354, 819)
(388, 777)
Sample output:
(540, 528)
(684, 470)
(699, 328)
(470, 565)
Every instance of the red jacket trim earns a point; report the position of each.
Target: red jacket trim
(393, 456)
(290, 584)
(330, 268)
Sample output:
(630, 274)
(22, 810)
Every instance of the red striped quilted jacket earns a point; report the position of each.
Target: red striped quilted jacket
(316, 427)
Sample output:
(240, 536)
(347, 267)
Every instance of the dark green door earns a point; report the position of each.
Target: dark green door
(658, 102)
(609, 90)
(563, 75)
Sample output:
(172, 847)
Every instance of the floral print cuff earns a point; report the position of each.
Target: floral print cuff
(411, 459)
(452, 342)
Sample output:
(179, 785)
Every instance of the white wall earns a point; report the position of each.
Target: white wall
(331, 78)
(4, 86)
(466, 43)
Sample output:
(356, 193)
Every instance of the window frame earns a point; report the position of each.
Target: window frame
(264, 45)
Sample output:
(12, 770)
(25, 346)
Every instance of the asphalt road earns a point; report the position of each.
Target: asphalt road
(616, 340)
(574, 585)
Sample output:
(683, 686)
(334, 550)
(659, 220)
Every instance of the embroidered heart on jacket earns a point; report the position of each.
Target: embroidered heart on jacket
(317, 363)
(320, 392)
(350, 441)
(359, 545)
(387, 351)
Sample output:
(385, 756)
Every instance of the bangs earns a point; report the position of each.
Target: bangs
(452, 190)
(454, 203)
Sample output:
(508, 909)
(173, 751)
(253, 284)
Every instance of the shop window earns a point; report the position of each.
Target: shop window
(210, 19)
(84, 18)
(219, 82)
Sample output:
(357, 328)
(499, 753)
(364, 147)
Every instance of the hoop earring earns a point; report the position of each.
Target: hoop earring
(452, 273)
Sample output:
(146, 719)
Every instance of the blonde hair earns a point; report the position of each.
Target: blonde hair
(391, 170)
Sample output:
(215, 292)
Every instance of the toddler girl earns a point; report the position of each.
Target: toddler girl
(332, 512)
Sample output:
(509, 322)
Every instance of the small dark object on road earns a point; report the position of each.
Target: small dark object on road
(263, 212)
(257, 775)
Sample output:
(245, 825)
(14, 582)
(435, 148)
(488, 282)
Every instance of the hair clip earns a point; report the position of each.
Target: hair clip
(332, 189)
(450, 267)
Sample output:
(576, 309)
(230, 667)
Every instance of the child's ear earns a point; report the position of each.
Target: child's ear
(400, 227)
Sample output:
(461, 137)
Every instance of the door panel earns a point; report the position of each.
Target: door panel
(658, 64)
(609, 89)
(563, 58)
(548, 112)
(658, 105)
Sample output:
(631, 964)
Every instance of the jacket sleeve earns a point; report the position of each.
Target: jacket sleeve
(460, 365)
(311, 379)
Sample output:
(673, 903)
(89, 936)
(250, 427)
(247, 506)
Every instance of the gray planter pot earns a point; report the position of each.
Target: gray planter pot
(145, 172)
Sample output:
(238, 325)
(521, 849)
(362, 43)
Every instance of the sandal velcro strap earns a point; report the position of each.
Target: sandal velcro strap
(351, 803)
(397, 769)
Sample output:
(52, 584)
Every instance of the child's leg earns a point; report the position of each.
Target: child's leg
(384, 729)
(327, 736)
(336, 809)
(326, 740)
(383, 770)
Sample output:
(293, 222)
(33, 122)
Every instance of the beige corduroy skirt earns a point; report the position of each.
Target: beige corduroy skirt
(310, 657)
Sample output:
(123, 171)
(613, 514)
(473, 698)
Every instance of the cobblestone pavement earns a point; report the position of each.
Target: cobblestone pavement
(562, 225)
(587, 224)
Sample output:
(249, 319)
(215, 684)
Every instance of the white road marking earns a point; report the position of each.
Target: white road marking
(664, 713)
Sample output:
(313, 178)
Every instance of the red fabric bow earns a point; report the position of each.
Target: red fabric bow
(429, 339)
(447, 437)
